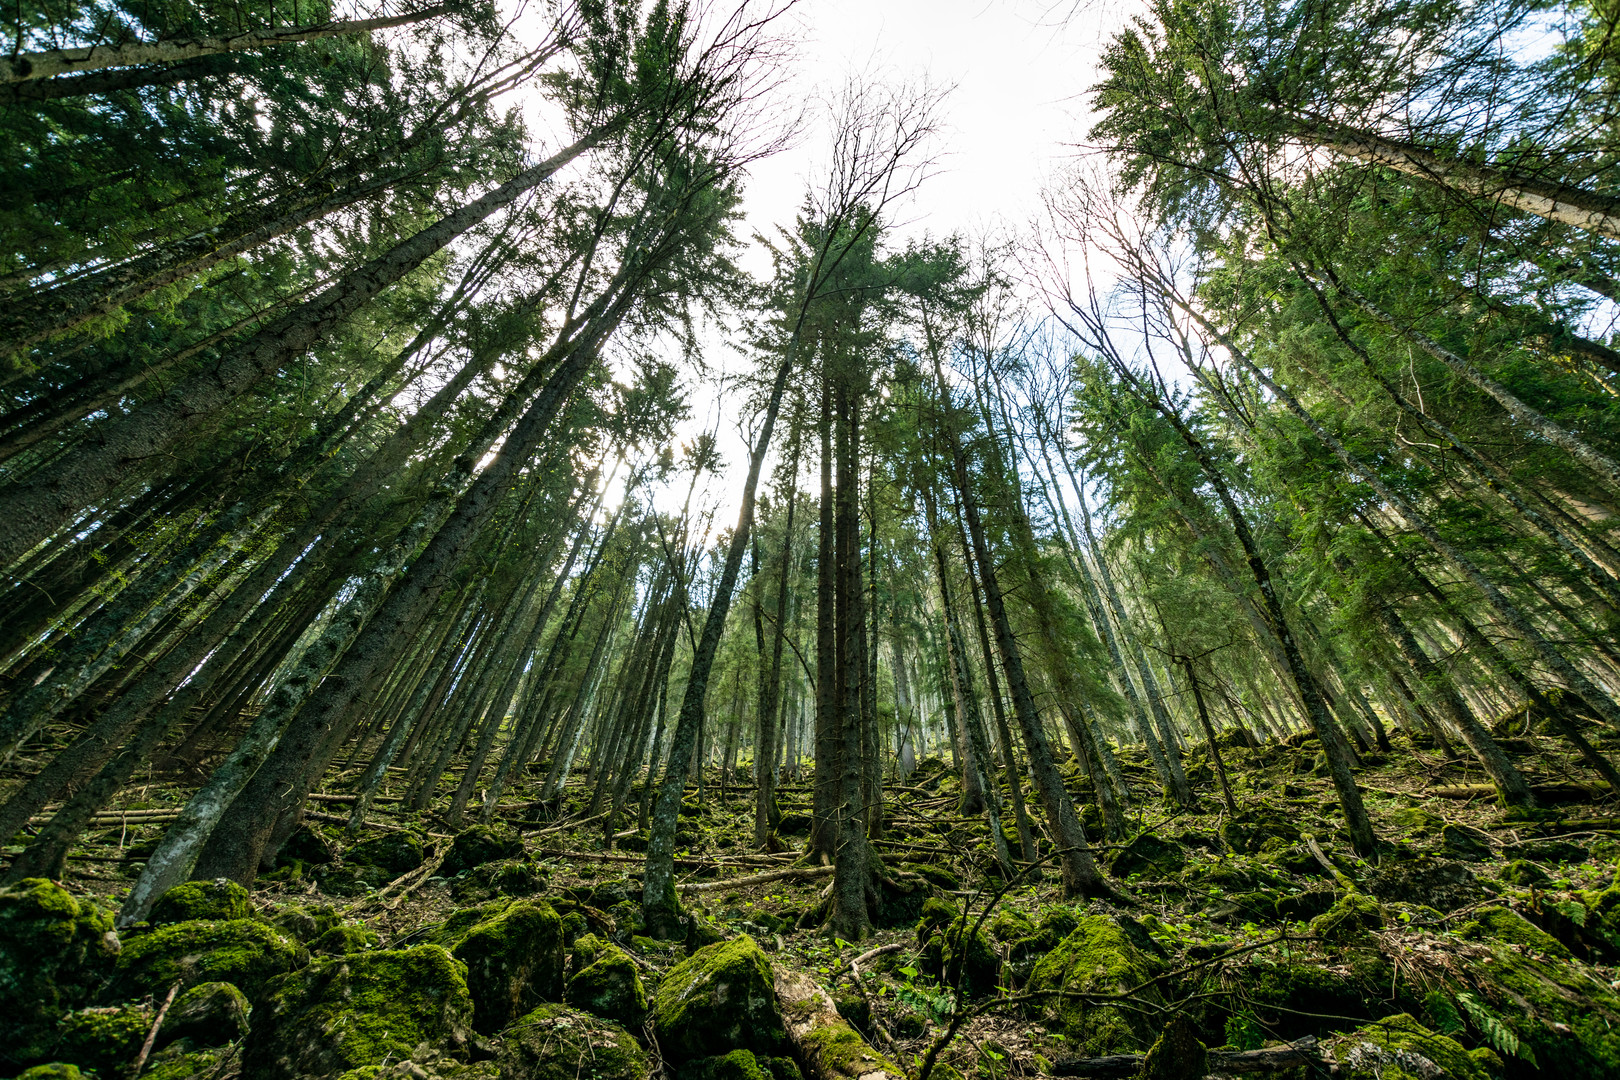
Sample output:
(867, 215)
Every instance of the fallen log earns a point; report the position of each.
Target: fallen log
(1221, 1062)
(1544, 792)
(826, 1047)
(796, 873)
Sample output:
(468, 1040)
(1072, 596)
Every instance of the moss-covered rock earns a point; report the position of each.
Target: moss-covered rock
(960, 951)
(351, 1011)
(1245, 833)
(209, 1014)
(346, 938)
(105, 1040)
(517, 878)
(1567, 1020)
(55, 949)
(1499, 924)
(427, 1064)
(1417, 820)
(179, 1061)
(554, 1042)
(608, 985)
(1293, 994)
(717, 1000)
(1150, 855)
(220, 900)
(1461, 842)
(479, 845)
(514, 956)
(1097, 957)
(1349, 919)
(1400, 1048)
(742, 1065)
(1008, 925)
(1436, 883)
(306, 922)
(1524, 873)
(1176, 1054)
(737, 1065)
(308, 846)
(394, 853)
(55, 1070)
(240, 951)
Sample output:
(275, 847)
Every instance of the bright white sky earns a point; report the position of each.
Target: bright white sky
(1020, 70)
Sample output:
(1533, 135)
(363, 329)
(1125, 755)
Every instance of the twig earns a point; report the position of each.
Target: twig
(151, 1035)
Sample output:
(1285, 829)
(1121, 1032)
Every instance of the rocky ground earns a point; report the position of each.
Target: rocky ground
(1479, 944)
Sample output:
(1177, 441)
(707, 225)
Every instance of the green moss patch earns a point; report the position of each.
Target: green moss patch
(210, 1014)
(352, 1011)
(609, 986)
(479, 845)
(514, 957)
(1097, 958)
(240, 951)
(55, 950)
(719, 999)
(554, 1042)
(219, 901)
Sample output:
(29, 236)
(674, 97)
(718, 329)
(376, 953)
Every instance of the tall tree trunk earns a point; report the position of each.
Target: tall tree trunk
(52, 62)
(51, 497)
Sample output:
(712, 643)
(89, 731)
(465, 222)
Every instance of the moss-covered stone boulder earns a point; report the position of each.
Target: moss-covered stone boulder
(741, 1065)
(1500, 924)
(1149, 855)
(514, 956)
(306, 845)
(1461, 842)
(1176, 1054)
(1245, 833)
(105, 1039)
(393, 853)
(609, 986)
(54, 1070)
(1293, 995)
(479, 845)
(55, 950)
(1565, 1019)
(1400, 1048)
(177, 1062)
(306, 922)
(1436, 883)
(352, 1011)
(1097, 957)
(209, 1014)
(1524, 873)
(1416, 820)
(240, 951)
(220, 900)
(346, 938)
(717, 1000)
(1350, 918)
(960, 952)
(554, 1042)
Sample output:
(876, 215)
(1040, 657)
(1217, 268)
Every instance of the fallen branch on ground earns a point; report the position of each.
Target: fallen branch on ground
(824, 1041)
(797, 873)
(1271, 1059)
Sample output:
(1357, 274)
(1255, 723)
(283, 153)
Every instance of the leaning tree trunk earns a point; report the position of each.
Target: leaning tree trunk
(658, 901)
(1359, 825)
(52, 62)
(32, 511)
(1566, 204)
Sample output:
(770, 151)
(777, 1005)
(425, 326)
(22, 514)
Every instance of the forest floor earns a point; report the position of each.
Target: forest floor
(1489, 936)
